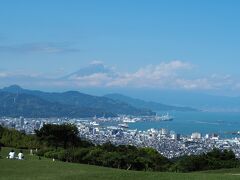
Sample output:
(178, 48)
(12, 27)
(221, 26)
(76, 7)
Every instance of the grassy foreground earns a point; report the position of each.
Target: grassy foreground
(45, 169)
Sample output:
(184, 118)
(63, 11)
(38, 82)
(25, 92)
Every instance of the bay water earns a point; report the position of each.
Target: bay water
(185, 123)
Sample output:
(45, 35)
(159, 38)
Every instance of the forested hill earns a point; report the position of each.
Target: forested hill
(15, 101)
(15, 105)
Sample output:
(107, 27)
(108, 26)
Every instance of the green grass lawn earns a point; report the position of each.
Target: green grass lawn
(45, 169)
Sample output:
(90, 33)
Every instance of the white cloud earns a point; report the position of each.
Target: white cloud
(153, 76)
(167, 75)
(97, 79)
(97, 62)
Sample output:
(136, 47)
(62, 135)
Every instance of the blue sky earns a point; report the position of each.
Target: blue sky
(57, 37)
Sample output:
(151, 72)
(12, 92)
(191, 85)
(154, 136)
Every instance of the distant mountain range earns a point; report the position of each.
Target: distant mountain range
(147, 104)
(198, 100)
(16, 101)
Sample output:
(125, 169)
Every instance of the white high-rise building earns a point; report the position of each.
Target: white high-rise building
(21, 121)
(164, 132)
(196, 135)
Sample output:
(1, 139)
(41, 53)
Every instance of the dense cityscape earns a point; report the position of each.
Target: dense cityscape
(169, 143)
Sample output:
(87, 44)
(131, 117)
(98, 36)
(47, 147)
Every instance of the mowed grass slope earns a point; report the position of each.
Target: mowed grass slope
(45, 169)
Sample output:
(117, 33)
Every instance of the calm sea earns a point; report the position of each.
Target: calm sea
(188, 122)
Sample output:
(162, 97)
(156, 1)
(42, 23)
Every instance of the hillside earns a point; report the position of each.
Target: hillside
(46, 169)
(77, 100)
(15, 105)
(147, 104)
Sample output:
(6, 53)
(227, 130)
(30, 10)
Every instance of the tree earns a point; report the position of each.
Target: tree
(215, 159)
(1, 131)
(64, 135)
(14, 138)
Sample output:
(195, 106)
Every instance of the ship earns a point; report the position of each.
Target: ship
(100, 119)
(128, 120)
(165, 117)
(94, 123)
(124, 125)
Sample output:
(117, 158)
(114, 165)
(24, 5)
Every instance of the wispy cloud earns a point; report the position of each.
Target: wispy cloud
(3, 74)
(47, 47)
